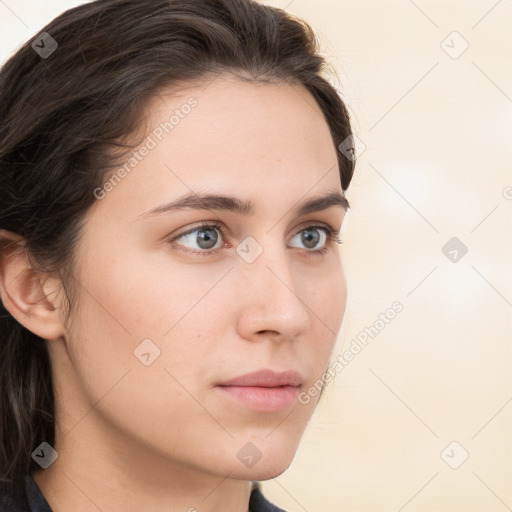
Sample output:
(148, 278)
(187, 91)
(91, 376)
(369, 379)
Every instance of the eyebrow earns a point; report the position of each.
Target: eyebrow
(226, 203)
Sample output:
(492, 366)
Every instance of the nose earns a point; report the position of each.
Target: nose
(270, 306)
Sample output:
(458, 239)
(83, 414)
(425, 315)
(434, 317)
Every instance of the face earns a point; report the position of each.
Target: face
(174, 303)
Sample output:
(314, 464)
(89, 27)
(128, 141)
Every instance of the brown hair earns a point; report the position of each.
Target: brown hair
(61, 114)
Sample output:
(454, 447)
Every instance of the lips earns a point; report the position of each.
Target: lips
(266, 379)
(263, 391)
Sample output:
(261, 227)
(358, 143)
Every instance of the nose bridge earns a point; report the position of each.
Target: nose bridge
(269, 272)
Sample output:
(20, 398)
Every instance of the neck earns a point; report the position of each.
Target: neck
(107, 475)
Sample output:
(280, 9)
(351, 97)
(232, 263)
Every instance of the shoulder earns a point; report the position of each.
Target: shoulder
(25, 496)
(258, 502)
(14, 498)
(27, 491)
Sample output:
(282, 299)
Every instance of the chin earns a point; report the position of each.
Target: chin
(261, 473)
(265, 469)
(267, 473)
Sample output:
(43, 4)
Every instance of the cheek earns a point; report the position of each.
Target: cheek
(119, 310)
(140, 298)
(127, 300)
(326, 306)
(326, 296)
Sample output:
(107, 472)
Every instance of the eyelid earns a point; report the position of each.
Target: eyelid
(207, 224)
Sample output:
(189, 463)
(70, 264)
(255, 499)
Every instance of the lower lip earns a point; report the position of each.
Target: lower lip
(262, 399)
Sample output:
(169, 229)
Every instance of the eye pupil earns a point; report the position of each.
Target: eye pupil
(310, 238)
(207, 235)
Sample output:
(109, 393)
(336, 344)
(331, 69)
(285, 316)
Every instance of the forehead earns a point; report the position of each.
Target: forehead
(230, 118)
(264, 142)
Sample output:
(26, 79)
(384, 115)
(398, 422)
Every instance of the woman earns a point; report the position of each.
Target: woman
(172, 191)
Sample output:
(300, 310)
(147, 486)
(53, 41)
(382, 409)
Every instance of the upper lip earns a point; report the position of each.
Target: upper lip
(266, 379)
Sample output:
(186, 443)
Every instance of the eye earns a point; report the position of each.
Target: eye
(314, 236)
(205, 238)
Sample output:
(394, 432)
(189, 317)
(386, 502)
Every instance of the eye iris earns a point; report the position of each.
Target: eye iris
(310, 238)
(207, 235)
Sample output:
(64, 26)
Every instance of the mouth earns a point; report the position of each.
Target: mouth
(264, 390)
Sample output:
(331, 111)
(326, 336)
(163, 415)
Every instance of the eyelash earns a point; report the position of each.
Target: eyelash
(332, 237)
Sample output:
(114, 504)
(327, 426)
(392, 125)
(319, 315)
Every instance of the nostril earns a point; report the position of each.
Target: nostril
(267, 331)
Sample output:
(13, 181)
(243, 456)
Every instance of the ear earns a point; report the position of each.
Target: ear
(29, 296)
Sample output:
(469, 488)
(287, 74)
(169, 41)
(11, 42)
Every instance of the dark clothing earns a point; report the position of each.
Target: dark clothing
(33, 500)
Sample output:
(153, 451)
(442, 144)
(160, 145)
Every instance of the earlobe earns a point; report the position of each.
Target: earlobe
(22, 291)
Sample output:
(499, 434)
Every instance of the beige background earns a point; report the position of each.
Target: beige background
(436, 164)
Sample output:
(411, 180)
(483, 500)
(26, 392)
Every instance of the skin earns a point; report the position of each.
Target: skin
(163, 437)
